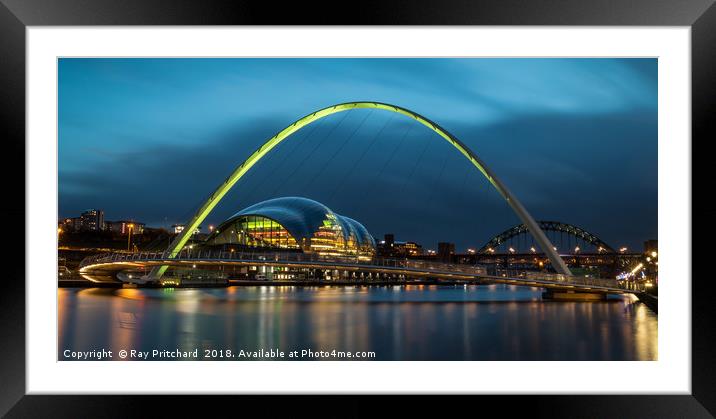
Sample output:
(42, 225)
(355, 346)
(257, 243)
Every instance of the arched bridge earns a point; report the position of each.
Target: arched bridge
(204, 210)
(107, 267)
(518, 236)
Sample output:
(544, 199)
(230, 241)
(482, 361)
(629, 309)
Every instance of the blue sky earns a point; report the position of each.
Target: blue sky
(575, 140)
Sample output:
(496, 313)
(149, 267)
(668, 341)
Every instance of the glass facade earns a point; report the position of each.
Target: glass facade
(295, 223)
(254, 231)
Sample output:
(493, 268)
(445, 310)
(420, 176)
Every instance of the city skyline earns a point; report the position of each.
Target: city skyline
(575, 139)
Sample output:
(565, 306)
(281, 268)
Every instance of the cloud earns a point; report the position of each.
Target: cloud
(574, 139)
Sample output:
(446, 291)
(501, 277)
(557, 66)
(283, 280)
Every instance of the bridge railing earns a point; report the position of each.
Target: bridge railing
(577, 280)
(407, 264)
(279, 257)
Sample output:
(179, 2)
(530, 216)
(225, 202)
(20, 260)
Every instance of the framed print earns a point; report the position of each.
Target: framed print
(474, 199)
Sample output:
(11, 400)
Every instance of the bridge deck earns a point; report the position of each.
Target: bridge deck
(106, 266)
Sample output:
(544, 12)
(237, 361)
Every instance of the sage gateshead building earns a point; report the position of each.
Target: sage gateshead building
(293, 224)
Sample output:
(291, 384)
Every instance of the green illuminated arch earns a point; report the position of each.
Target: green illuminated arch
(179, 242)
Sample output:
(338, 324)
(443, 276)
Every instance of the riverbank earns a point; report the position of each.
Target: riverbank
(80, 283)
(649, 300)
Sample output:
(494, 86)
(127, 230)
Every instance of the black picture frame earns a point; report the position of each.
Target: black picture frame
(16, 15)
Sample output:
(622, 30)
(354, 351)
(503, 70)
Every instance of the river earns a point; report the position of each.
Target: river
(414, 322)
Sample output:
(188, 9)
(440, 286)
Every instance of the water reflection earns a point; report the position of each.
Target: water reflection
(398, 323)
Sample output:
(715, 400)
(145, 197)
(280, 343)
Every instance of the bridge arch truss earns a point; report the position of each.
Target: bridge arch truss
(547, 226)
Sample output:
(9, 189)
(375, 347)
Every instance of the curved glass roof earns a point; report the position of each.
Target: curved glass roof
(302, 217)
(362, 234)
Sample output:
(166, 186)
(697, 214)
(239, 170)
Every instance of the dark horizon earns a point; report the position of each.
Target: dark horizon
(574, 139)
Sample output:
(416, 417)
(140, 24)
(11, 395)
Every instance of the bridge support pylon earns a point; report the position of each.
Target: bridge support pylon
(573, 296)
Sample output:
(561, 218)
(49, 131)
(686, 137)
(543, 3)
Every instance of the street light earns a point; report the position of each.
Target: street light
(637, 269)
(130, 227)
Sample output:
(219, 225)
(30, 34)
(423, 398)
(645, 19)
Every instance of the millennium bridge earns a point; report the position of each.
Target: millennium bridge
(134, 268)
(150, 267)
